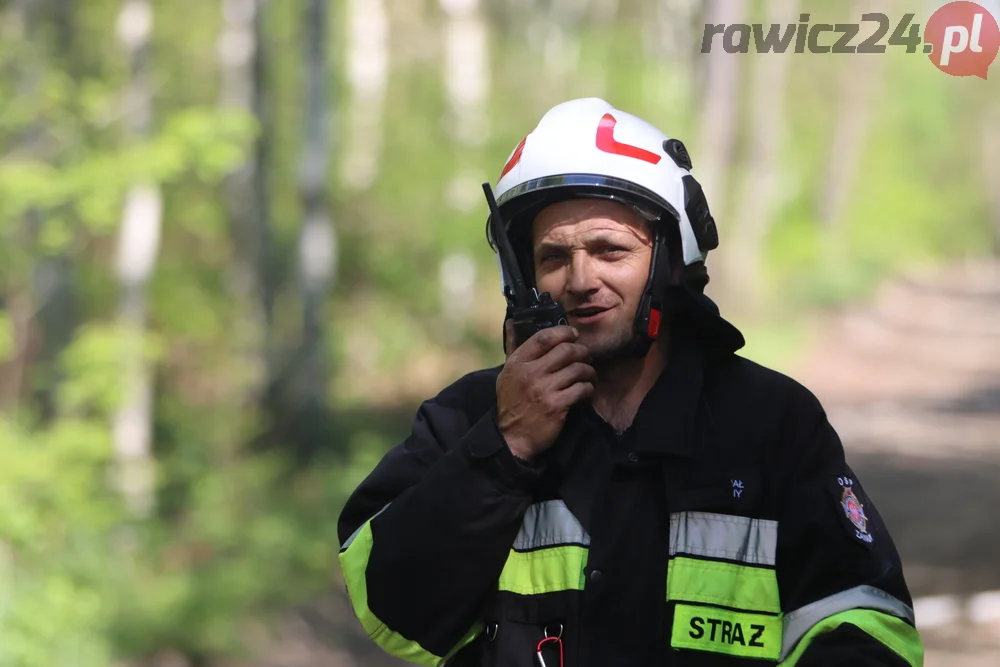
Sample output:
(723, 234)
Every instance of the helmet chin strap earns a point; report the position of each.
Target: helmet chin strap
(653, 306)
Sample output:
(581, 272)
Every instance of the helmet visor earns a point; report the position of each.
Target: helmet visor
(526, 199)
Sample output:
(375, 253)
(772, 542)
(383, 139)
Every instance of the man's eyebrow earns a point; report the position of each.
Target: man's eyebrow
(608, 238)
(550, 246)
(600, 238)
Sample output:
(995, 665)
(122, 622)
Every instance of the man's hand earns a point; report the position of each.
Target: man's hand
(539, 383)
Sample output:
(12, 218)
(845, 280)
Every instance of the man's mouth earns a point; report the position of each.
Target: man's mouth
(587, 315)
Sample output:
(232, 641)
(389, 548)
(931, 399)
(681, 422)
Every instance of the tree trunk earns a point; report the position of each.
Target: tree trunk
(859, 82)
(66, 29)
(241, 67)
(367, 77)
(25, 12)
(467, 83)
(55, 303)
(138, 246)
(55, 295)
(317, 240)
(18, 310)
(466, 70)
(672, 36)
(757, 201)
(713, 154)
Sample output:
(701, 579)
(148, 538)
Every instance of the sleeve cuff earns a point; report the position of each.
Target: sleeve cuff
(487, 450)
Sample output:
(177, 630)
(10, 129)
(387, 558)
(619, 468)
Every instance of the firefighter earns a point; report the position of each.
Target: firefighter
(624, 490)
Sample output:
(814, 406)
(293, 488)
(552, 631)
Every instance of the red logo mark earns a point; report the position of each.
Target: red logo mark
(965, 39)
(514, 159)
(854, 509)
(606, 142)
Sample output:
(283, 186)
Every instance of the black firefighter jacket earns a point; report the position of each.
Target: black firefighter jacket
(722, 528)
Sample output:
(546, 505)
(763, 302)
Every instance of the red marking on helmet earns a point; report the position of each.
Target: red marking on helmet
(653, 330)
(514, 159)
(606, 142)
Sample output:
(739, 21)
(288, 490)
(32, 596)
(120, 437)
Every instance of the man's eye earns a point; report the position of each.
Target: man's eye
(612, 251)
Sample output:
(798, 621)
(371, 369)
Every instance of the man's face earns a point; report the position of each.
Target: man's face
(592, 256)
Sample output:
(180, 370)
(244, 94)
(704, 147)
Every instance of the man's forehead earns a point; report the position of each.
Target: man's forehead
(582, 218)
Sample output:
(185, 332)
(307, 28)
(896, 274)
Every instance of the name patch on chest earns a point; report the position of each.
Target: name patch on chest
(723, 631)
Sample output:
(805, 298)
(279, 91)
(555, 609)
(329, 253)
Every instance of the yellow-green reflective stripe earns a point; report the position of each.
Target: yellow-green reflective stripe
(711, 582)
(544, 570)
(895, 633)
(353, 564)
(723, 631)
(800, 621)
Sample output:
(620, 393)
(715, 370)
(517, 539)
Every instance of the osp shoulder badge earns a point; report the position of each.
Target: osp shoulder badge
(854, 510)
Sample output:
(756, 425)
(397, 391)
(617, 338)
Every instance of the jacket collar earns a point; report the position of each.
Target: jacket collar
(665, 421)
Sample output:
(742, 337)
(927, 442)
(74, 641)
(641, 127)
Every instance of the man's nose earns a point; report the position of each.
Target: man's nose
(582, 277)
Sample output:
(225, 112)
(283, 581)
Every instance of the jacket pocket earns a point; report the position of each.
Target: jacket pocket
(737, 491)
(518, 624)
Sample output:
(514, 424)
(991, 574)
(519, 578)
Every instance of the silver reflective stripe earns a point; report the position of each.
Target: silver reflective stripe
(798, 622)
(549, 524)
(358, 531)
(737, 538)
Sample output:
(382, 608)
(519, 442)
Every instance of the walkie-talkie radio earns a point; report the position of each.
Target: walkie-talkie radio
(530, 311)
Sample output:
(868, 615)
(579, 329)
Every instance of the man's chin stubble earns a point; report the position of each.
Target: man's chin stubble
(611, 351)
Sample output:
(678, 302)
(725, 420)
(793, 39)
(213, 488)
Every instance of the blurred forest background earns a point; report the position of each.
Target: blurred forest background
(240, 240)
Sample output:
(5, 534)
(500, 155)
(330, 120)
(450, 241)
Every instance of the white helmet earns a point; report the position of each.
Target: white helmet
(587, 148)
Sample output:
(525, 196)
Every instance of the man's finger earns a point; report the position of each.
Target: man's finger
(544, 340)
(563, 355)
(570, 375)
(576, 393)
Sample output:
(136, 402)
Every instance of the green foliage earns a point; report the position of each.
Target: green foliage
(916, 197)
(207, 142)
(55, 511)
(94, 368)
(250, 541)
(7, 343)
